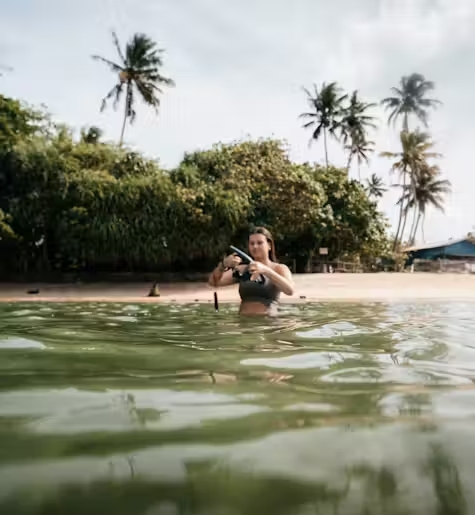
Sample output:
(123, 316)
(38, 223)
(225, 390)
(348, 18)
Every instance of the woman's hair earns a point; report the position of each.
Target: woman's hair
(269, 238)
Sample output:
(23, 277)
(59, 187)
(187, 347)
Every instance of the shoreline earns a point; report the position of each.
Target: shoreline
(308, 288)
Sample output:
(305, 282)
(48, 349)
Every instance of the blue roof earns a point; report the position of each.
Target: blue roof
(461, 247)
(438, 244)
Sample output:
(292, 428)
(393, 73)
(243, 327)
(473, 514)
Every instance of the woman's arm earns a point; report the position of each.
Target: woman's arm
(282, 278)
(220, 276)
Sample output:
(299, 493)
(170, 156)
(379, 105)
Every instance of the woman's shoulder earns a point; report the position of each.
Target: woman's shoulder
(280, 268)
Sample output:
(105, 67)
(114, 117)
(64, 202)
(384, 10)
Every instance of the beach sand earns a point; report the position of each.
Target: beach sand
(309, 287)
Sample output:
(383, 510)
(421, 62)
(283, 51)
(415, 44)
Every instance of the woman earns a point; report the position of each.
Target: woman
(260, 282)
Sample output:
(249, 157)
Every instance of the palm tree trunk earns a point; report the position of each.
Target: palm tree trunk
(348, 164)
(396, 237)
(417, 224)
(400, 213)
(412, 178)
(412, 233)
(325, 145)
(413, 191)
(422, 227)
(123, 128)
(126, 112)
(406, 212)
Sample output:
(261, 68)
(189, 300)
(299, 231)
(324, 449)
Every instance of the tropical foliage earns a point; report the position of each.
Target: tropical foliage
(410, 99)
(421, 184)
(375, 187)
(349, 120)
(87, 205)
(326, 111)
(345, 118)
(138, 74)
(427, 189)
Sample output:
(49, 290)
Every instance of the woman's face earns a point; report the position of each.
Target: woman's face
(258, 246)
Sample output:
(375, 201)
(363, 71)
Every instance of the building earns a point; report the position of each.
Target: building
(462, 249)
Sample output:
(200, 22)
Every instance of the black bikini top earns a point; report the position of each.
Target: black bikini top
(263, 290)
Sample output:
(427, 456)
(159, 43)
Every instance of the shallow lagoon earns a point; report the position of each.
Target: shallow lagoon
(175, 409)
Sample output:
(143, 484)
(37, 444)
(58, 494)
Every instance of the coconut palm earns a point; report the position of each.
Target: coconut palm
(375, 186)
(354, 127)
(410, 98)
(414, 155)
(359, 148)
(92, 135)
(429, 191)
(137, 74)
(326, 111)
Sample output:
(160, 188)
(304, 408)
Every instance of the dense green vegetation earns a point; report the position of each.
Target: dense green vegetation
(85, 205)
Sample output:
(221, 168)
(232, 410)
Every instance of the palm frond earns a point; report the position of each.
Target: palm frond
(117, 47)
(115, 92)
(113, 66)
(147, 91)
(411, 99)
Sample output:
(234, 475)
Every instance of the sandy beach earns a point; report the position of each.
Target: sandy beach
(309, 287)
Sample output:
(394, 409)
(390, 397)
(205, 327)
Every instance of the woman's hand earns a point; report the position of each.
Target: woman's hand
(280, 275)
(231, 261)
(256, 269)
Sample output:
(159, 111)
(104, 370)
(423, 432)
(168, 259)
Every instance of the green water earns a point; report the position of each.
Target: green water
(160, 410)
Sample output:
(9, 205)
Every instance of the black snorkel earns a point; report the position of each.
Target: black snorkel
(245, 258)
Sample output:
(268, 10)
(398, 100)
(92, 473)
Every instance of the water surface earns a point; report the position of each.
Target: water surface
(158, 410)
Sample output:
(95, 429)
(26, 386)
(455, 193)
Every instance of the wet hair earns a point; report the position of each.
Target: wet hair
(270, 240)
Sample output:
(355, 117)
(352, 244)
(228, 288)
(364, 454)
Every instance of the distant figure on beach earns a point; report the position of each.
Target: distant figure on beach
(261, 281)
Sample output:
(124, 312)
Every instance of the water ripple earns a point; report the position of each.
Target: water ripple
(369, 407)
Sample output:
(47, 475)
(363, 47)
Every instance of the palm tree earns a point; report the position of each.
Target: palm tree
(410, 98)
(326, 110)
(375, 186)
(359, 148)
(354, 127)
(414, 155)
(137, 73)
(92, 135)
(429, 191)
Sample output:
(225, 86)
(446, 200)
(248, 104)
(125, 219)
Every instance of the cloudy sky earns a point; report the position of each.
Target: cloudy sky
(239, 69)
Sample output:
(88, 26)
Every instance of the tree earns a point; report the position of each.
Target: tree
(263, 181)
(75, 205)
(92, 135)
(326, 110)
(354, 127)
(359, 148)
(414, 155)
(375, 187)
(429, 191)
(17, 121)
(353, 225)
(410, 98)
(138, 74)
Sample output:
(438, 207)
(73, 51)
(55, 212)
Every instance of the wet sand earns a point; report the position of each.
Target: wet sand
(309, 287)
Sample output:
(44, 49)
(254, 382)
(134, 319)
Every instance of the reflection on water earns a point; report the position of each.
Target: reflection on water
(157, 410)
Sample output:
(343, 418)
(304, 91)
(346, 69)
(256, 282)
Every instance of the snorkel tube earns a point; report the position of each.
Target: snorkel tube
(246, 259)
